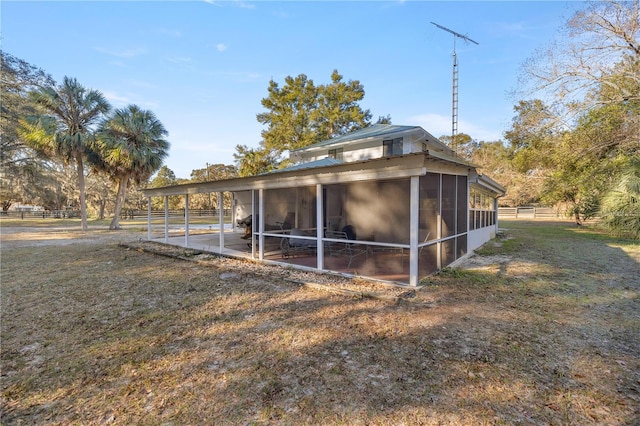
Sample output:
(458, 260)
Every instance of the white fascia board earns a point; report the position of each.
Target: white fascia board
(486, 183)
(429, 137)
(383, 168)
(450, 158)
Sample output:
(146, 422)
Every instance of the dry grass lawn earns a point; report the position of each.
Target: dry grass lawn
(542, 327)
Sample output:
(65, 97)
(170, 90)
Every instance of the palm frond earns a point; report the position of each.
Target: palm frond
(620, 210)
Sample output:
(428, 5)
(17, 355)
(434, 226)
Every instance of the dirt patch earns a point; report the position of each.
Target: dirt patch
(39, 236)
(543, 331)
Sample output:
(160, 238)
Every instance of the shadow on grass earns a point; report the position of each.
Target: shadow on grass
(126, 337)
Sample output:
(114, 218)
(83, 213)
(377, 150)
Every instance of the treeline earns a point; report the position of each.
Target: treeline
(52, 134)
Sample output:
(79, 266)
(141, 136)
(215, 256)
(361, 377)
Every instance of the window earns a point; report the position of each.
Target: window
(481, 210)
(392, 147)
(336, 153)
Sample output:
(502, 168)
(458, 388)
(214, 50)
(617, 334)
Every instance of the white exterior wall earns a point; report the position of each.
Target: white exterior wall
(364, 153)
(415, 146)
(360, 154)
(407, 146)
(478, 237)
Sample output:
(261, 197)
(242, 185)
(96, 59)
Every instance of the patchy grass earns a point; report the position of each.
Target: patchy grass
(542, 329)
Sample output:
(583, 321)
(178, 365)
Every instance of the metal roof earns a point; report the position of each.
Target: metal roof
(377, 130)
(323, 162)
(486, 182)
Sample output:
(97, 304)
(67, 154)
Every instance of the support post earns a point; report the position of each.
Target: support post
(166, 219)
(414, 230)
(261, 224)
(254, 223)
(148, 218)
(221, 220)
(495, 214)
(439, 224)
(233, 212)
(319, 226)
(186, 220)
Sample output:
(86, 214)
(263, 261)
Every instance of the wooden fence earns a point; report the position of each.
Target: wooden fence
(41, 214)
(530, 213)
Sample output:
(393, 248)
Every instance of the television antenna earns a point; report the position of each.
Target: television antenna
(454, 100)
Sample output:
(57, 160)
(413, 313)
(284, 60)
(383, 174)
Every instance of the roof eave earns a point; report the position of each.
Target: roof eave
(379, 168)
(487, 183)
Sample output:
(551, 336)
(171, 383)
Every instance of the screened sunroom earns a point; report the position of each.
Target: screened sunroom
(395, 219)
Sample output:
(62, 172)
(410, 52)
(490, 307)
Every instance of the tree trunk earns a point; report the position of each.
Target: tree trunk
(120, 198)
(83, 203)
(576, 215)
(102, 205)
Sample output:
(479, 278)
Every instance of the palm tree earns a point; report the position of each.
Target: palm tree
(130, 146)
(620, 209)
(66, 129)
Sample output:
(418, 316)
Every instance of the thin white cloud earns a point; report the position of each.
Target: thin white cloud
(123, 53)
(435, 124)
(280, 14)
(119, 64)
(478, 132)
(170, 33)
(439, 125)
(238, 3)
(521, 29)
(512, 27)
(244, 5)
(143, 84)
(115, 99)
(180, 59)
(205, 147)
(118, 100)
(221, 47)
(242, 76)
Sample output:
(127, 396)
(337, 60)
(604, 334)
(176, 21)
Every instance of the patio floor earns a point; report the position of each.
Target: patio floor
(392, 266)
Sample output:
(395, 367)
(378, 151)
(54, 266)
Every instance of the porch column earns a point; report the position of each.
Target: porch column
(414, 230)
(439, 225)
(166, 219)
(319, 226)
(221, 220)
(233, 212)
(495, 214)
(148, 218)
(254, 223)
(261, 224)
(467, 209)
(186, 220)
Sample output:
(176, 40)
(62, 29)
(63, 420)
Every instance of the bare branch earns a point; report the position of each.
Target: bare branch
(599, 47)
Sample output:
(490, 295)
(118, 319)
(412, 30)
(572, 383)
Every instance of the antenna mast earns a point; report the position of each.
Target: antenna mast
(454, 101)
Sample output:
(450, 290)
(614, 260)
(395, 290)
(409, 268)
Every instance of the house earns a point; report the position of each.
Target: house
(387, 202)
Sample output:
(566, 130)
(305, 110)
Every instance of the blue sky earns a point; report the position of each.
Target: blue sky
(203, 66)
